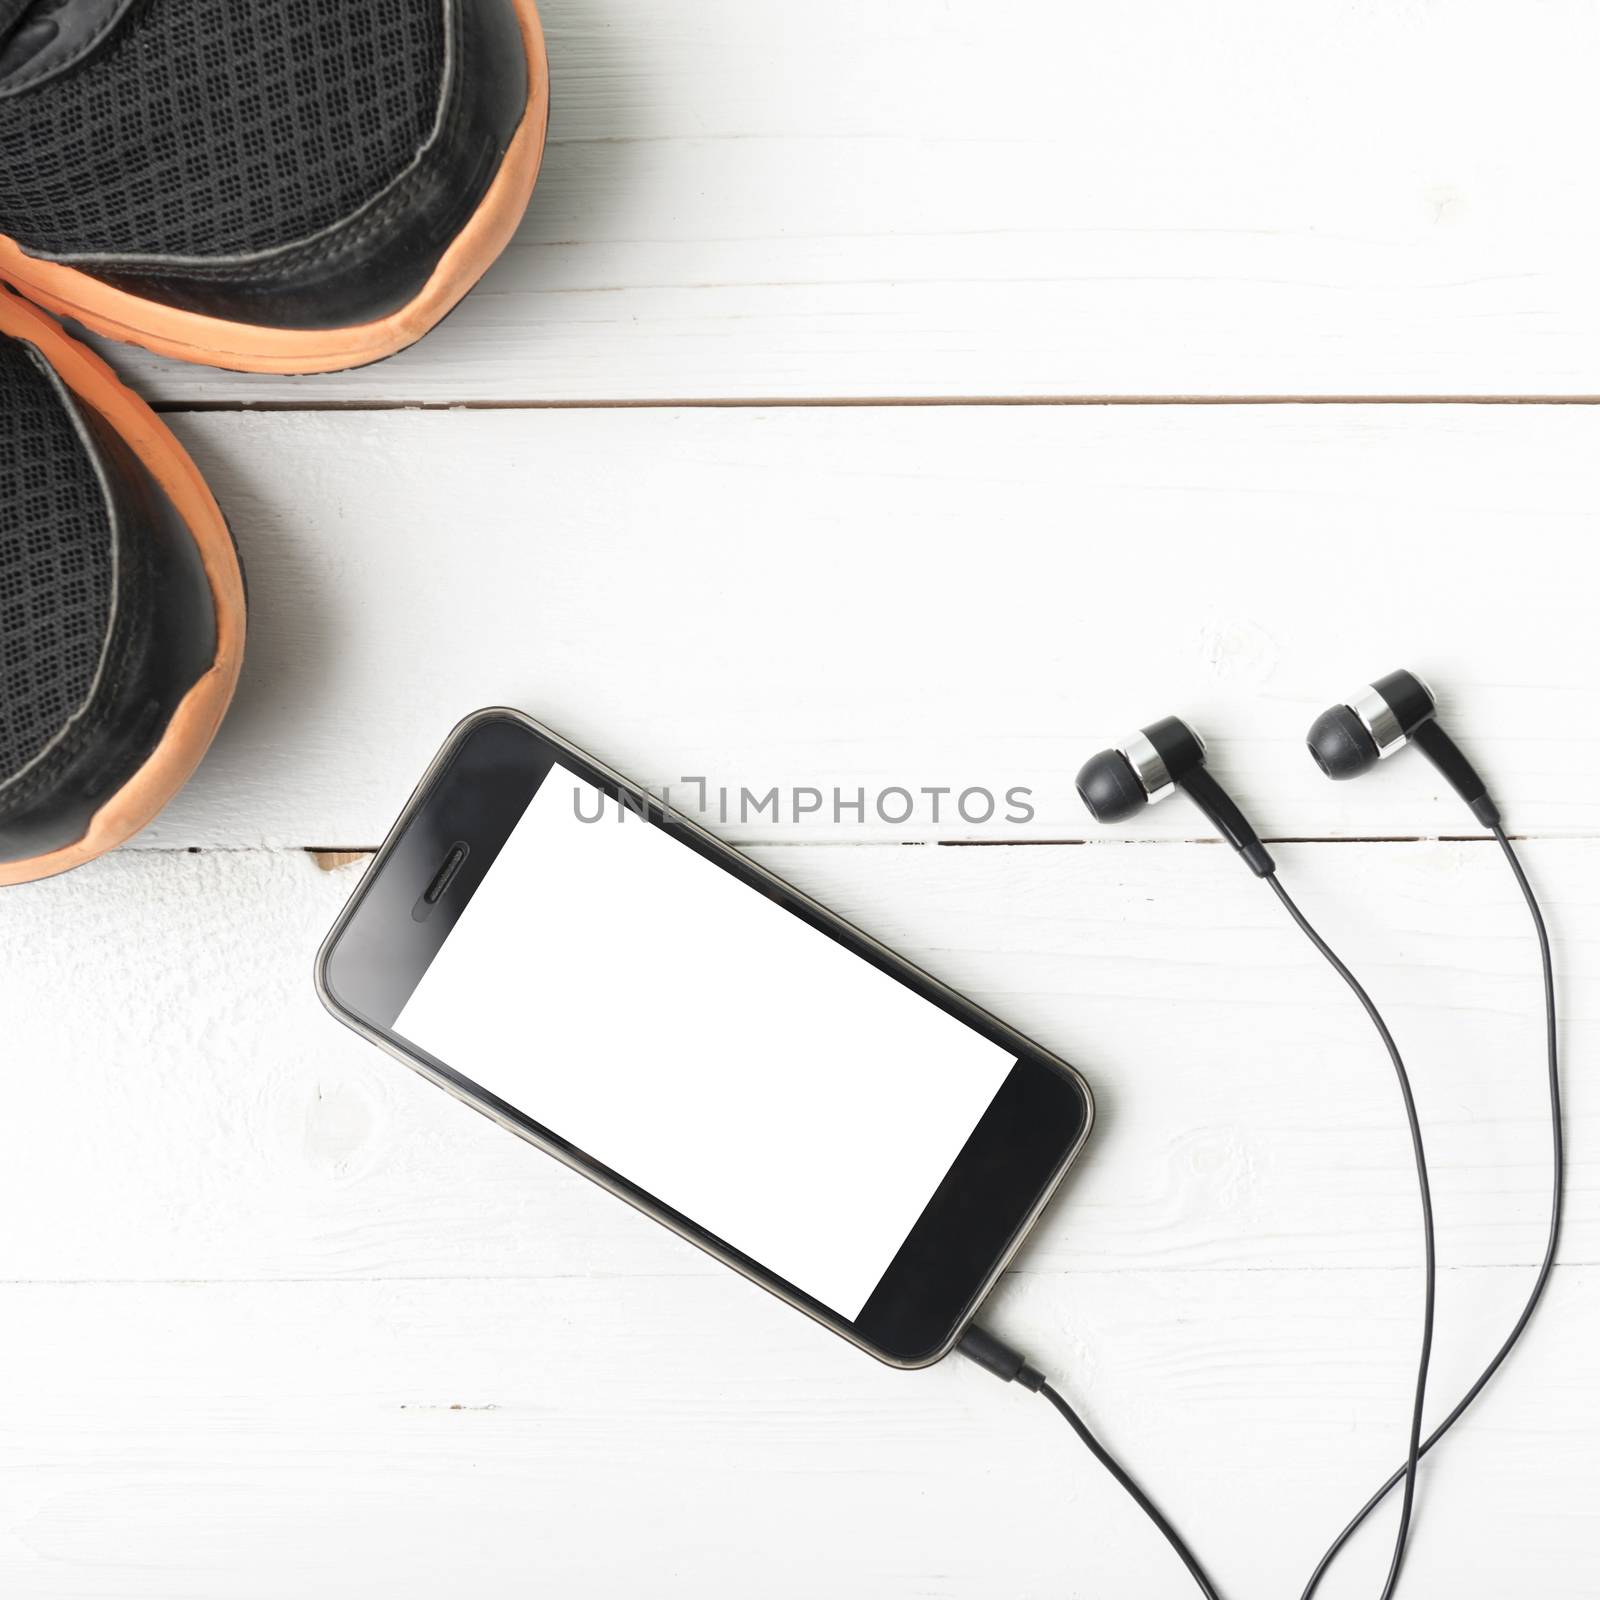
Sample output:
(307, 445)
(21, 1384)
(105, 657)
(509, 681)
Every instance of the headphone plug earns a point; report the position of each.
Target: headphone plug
(996, 1356)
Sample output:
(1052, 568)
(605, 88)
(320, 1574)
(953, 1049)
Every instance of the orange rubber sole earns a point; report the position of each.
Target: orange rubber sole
(244, 347)
(200, 712)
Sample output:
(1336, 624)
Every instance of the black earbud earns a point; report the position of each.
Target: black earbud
(1397, 710)
(1165, 756)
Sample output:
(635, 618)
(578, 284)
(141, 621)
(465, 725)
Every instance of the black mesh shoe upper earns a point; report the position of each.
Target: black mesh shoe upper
(216, 127)
(107, 619)
(56, 564)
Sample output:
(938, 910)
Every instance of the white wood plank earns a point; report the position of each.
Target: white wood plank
(1001, 197)
(849, 599)
(181, 1107)
(690, 1437)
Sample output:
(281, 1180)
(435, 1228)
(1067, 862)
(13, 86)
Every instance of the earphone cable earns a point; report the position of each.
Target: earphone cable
(1138, 1496)
(995, 1356)
(1008, 1364)
(1558, 1167)
(1419, 1393)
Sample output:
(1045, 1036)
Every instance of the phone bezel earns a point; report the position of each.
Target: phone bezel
(374, 956)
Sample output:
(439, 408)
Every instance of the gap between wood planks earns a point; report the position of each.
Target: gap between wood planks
(790, 402)
(331, 858)
(713, 1271)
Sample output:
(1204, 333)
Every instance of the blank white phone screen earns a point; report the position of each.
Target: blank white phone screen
(707, 1045)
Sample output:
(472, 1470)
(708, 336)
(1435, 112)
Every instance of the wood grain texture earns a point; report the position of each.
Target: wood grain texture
(204, 1119)
(598, 1437)
(997, 197)
(282, 1319)
(865, 598)
(270, 1281)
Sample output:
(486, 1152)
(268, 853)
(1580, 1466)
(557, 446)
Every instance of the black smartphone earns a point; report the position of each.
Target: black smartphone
(606, 978)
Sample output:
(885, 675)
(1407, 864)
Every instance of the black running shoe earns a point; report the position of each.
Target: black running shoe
(267, 185)
(121, 605)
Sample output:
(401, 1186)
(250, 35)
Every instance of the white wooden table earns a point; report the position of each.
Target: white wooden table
(909, 392)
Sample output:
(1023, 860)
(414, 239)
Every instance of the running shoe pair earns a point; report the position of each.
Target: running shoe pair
(283, 186)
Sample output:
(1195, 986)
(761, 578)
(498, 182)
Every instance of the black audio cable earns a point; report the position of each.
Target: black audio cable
(1558, 1171)
(1430, 1265)
(999, 1358)
(1169, 757)
(996, 1356)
